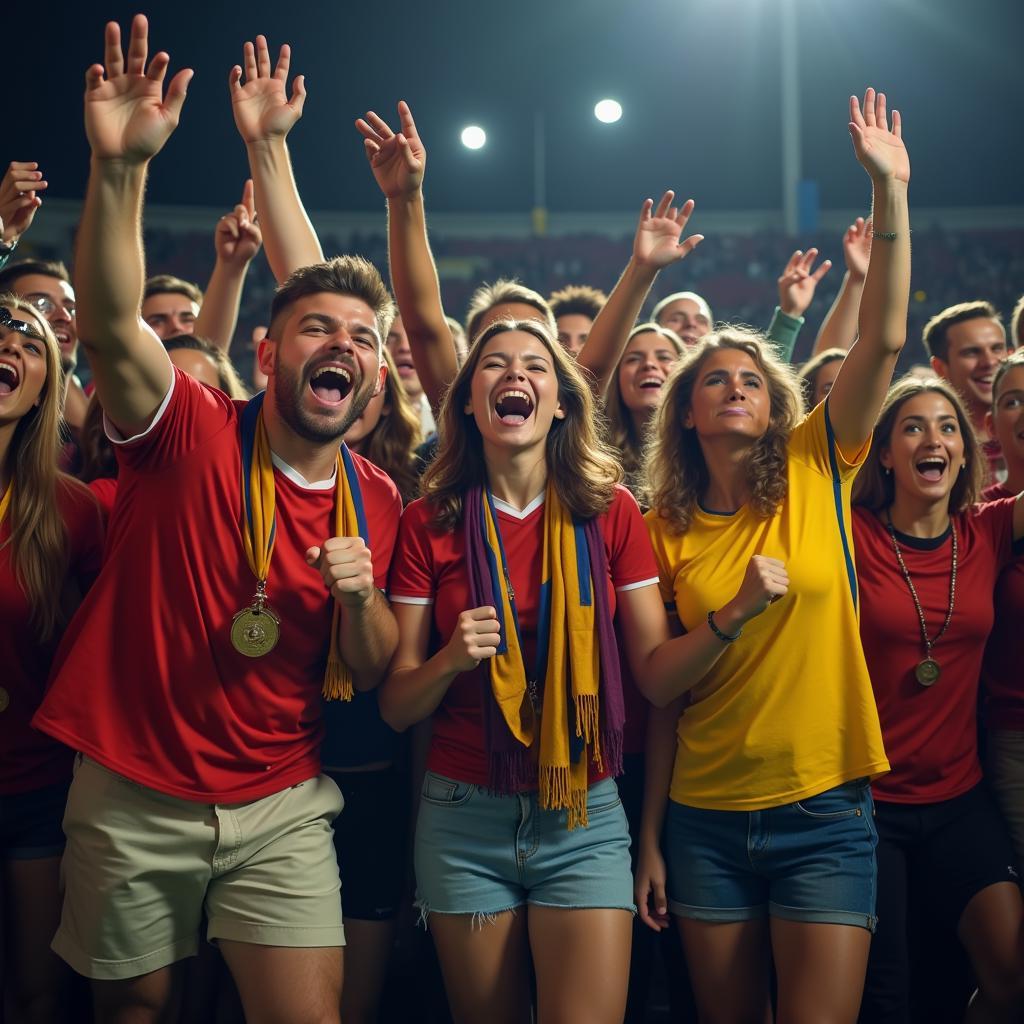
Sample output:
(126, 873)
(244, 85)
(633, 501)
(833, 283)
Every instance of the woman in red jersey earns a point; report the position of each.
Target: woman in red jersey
(519, 557)
(1001, 673)
(51, 538)
(928, 558)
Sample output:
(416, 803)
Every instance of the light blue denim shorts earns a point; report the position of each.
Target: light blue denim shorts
(479, 853)
(813, 860)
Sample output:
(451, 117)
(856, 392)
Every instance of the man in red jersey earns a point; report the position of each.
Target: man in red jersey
(242, 578)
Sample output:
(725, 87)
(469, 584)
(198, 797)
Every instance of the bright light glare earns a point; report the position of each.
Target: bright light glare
(608, 111)
(473, 137)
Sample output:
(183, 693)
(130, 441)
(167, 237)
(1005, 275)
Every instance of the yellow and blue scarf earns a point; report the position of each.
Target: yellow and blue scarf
(259, 523)
(576, 673)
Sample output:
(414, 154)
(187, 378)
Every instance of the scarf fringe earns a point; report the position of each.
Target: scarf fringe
(338, 677)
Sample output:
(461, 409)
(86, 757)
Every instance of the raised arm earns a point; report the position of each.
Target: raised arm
(656, 245)
(264, 115)
(127, 120)
(398, 162)
(237, 239)
(839, 328)
(866, 374)
(797, 285)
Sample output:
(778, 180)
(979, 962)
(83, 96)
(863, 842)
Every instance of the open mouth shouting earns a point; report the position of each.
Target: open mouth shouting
(9, 379)
(514, 407)
(931, 469)
(331, 383)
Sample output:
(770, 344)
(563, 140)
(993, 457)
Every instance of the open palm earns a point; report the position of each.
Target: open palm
(261, 106)
(879, 148)
(656, 243)
(398, 161)
(126, 115)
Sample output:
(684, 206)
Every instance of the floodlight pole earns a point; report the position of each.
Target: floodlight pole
(540, 212)
(790, 97)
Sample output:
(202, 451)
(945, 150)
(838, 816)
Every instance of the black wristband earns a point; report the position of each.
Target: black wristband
(726, 638)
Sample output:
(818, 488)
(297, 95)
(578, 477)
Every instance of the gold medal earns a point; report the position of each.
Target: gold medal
(927, 671)
(255, 631)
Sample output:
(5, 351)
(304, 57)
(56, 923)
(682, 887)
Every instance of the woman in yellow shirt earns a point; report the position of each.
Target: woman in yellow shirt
(769, 835)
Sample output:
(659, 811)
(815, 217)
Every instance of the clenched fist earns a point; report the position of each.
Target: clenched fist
(765, 581)
(476, 637)
(347, 569)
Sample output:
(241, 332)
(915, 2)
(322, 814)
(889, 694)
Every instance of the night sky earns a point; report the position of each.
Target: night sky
(699, 81)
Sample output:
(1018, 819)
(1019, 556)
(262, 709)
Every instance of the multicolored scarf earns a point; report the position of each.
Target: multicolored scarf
(581, 714)
(259, 522)
(5, 501)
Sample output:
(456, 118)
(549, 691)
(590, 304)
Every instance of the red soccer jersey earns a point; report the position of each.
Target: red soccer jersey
(430, 568)
(1002, 674)
(930, 732)
(28, 759)
(147, 681)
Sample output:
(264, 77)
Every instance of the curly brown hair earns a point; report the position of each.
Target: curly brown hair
(875, 489)
(677, 474)
(584, 469)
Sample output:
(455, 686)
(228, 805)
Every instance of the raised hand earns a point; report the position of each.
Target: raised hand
(798, 282)
(127, 116)
(397, 160)
(346, 566)
(238, 238)
(879, 148)
(476, 637)
(19, 199)
(857, 248)
(656, 243)
(261, 106)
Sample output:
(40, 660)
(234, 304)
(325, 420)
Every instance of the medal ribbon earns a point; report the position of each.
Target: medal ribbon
(259, 524)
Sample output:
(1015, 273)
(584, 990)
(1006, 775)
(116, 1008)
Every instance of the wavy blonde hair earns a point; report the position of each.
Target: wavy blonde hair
(38, 536)
(677, 474)
(391, 445)
(876, 490)
(583, 468)
(623, 435)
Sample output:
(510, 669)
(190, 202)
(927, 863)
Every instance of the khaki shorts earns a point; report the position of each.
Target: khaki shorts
(141, 866)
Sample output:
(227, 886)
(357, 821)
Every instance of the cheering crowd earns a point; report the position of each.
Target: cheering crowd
(685, 649)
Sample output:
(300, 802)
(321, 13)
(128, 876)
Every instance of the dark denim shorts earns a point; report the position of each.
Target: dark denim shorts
(813, 860)
(478, 853)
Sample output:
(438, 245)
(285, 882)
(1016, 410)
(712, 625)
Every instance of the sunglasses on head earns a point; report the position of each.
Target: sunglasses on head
(8, 322)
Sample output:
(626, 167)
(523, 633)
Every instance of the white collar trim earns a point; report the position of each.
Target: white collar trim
(297, 478)
(515, 513)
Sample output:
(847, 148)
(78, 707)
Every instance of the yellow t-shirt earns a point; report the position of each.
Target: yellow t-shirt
(790, 712)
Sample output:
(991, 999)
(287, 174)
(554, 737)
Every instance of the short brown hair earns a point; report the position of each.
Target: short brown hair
(21, 268)
(577, 299)
(936, 331)
(875, 489)
(343, 275)
(504, 290)
(168, 284)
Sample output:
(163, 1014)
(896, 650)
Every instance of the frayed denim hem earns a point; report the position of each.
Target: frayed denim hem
(478, 918)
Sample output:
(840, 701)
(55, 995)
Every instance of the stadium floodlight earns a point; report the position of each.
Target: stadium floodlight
(473, 137)
(608, 111)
